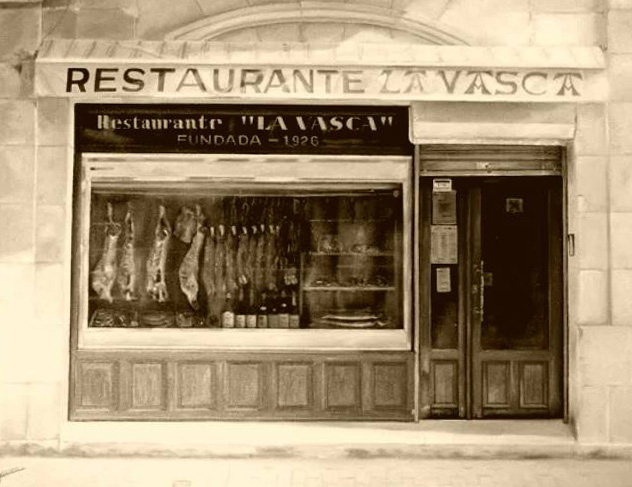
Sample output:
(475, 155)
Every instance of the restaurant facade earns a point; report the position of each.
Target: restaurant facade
(298, 212)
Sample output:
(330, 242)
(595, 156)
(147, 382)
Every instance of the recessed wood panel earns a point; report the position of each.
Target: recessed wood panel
(533, 385)
(148, 388)
(97, 385)
(243, 383)
(390, 382)
(496, 384)
(342, 385)
(195, 385)
(294, 382)
(445, 383)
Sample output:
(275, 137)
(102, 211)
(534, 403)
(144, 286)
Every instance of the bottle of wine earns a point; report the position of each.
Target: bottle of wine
(240, 310)
(295, 317)
(251, 309)
(228, 313)
(262, 312)
(284, 311)
(273, 312)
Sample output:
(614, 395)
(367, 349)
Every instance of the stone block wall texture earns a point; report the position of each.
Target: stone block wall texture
(35, 183)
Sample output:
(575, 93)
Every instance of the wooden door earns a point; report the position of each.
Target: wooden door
(494, 341)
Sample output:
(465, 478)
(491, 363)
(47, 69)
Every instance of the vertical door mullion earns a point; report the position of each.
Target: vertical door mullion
(474, 376)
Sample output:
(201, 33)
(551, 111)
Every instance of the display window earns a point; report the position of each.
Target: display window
(227, 252)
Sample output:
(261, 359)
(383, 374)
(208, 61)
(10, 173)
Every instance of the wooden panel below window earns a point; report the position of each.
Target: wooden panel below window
(533, 385)
(148, 386)
(445, 383)
(96, 385)
(167, 386)
(342, 385)
(496, 384)
(196, 382)
(243, 384)
(390, 383)
(294, 385)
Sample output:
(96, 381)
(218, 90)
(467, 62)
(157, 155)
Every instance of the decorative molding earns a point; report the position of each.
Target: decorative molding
(211, 28)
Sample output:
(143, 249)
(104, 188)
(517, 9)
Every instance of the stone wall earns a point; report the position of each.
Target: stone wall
(35, 183)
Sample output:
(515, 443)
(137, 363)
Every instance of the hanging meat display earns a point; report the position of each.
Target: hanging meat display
(127, 273)
(104, 274)
(157, 262)
(208, 276)
(190, 267)
(185, 226)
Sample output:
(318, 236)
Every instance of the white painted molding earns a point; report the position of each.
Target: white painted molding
(428, 31)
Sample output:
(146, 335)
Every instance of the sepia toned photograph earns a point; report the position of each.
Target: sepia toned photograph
(329, 243)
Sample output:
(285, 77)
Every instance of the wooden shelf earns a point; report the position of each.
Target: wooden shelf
(354, 254)
(349, 288)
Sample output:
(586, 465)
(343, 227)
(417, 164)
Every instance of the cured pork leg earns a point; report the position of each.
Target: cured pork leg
(104, 274)
(157, 262)
(186, 225)
(190, 267)
(208, 276)
(127, 273)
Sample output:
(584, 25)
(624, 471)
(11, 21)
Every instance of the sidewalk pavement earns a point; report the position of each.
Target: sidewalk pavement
(139, 472)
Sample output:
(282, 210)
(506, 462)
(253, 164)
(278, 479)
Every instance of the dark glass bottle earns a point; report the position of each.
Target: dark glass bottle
(228, 313)
(295, 317)
(262, 312)
(251, 310)
(284, 311)
(240, 311)
(273, 312)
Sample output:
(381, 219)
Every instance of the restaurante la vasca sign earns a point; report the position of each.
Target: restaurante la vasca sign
(186, 81)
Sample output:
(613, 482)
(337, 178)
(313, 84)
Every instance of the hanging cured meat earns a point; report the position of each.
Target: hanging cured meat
(208, 275)
(157, 262)
(186, 225)
(220, 262)
(127, 274)
(270, 259)
(104, 274)
(242, 252)
(190, 267)
(231, 260)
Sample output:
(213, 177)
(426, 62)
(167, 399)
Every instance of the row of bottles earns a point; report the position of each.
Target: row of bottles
(270, 312)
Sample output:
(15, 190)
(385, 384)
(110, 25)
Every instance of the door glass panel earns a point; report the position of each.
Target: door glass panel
(445, 306)
(515, 263)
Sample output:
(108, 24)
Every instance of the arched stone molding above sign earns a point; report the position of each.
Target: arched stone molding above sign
(297, 21)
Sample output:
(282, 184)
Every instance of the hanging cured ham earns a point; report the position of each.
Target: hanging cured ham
(190, 267)
(127, 274)
(104, 274)
(157, 262)
(186, 225)
(208, 276)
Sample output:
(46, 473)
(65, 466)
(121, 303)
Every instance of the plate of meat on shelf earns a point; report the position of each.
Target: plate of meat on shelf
(363, 318)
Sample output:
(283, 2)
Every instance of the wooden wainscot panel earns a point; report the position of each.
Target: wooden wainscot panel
(533, 385)
(244, 385)
(196, 385)
(295, 385)
(342, 385)
(148, 386)
(444, 385)
(97, 385)
(496, 384)
(390, 385)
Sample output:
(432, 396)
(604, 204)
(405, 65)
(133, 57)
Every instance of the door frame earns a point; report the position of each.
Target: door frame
(447, 161)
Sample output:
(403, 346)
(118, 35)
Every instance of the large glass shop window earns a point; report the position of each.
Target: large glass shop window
(209, 256)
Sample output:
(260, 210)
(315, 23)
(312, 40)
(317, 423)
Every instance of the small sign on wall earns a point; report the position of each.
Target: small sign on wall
(444, 208)
(443, 244)
(444, 284)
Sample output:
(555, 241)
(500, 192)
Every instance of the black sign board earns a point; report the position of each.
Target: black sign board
(240, 129)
